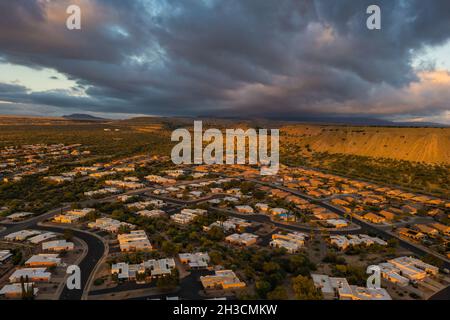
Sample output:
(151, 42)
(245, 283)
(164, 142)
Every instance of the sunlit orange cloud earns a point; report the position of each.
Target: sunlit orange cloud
(56, 10)
(436, 77)
(322, 35)
(431, 90)
(51, 30)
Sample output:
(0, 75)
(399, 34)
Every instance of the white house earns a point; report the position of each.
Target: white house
(57, 245)
(198, 260)
(33, 274)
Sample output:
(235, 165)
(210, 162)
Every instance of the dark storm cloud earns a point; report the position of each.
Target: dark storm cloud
(211, 57)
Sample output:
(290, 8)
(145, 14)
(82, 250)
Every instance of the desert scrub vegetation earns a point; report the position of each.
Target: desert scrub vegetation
(415, 176)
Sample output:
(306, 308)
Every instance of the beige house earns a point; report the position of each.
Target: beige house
(244, 239)
(372, 217)
(387, 215)
(134, 241)
(223, 279)
(43, 260)
(426, 229)
(441, 228)
(411, 234)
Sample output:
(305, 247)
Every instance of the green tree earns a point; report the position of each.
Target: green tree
(169, 281)
(17, 257)
(124, 229)
(392, 243)
(216, 233)
(27, 289)
(271, 267)
(68, 234)
(300, 264)
(433, 260)
(262, 288)
(279, 293)
(305, 289)
(169, 248)
(92, 216)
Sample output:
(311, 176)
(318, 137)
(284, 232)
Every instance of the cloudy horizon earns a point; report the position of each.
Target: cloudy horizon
(268, 59)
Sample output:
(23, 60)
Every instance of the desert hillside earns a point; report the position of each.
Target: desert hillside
(431, 145)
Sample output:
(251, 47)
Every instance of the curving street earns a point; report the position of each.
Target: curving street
(96, 247)
(419, 250)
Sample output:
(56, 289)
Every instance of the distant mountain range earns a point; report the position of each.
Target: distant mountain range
(82, 116)
(338, 120)
(261, 121)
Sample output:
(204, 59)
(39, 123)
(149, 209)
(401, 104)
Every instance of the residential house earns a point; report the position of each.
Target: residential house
(244, 209)
(151, 213)
(244, 239)
(43, 260)
(292, 242)
(423, 228)
(411, 234)
(278, 211)
(231, 224)
(21, 235)
(4, 255)
(15, 290)
(337, 223)
(33, 274)
(151, 268)
(374, 218)
(58, 245)
(185, 216)
(222, 279)
(109, 225)
(409, 209)
(333, 288)
(262, 207)
(389, 216)
(20, 216)
(42, 237)
(412, 268)
(198, 260)
(134, 241)
(441, 228)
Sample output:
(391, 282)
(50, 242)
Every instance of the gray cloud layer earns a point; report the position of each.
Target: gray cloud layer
(246, 58)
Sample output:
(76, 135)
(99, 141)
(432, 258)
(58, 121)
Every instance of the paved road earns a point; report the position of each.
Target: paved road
(419, 250)
(265, 219)
(30, 223)
(441, 295)
(125, 286)
(96, 249)
(186, 202)
(189, 289)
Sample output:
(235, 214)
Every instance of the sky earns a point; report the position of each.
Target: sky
(284, 59)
